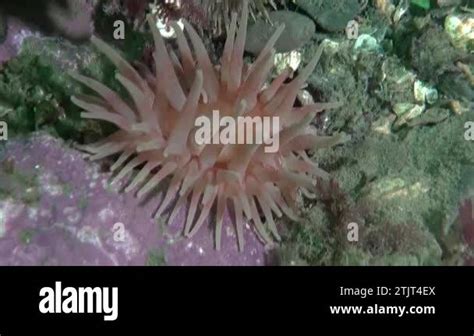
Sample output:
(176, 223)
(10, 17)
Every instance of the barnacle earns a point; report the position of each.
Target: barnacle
(156, 131)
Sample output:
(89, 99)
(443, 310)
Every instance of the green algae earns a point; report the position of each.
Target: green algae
(414, 183)
(26, 236)
(18, 185)
(36, 89)
(425, 4)
(156, 258)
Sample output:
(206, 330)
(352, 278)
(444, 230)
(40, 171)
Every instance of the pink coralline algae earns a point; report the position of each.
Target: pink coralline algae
(72, 21)
(16, 34)
(77, 219)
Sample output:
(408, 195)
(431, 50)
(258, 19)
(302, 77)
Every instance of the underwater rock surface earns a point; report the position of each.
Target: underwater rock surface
(331, 15)
(56, 208)
(298, 30)
(15, 33)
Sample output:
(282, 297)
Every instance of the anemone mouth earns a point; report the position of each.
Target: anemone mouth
(155, 131)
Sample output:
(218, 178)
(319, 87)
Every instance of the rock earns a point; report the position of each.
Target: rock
(287, 60)
(367, 43)
(59, 209)
(331, 15)
(71, 19)
(298, 30)
(424, 93)
(3, 27)
(406, 112)
(15, 33)
(446, 3)
(431, 116)
(461, 30)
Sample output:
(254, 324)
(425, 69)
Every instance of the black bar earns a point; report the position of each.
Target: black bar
(150, 298)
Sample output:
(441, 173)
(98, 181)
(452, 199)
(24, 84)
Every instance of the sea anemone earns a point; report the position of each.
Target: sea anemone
(157, 127)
